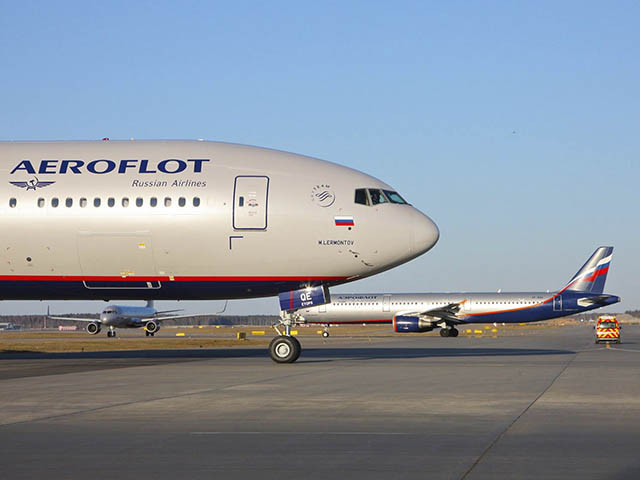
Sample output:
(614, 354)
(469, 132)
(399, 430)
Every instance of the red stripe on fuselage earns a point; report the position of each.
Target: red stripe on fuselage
(82, 278)
(337, 322)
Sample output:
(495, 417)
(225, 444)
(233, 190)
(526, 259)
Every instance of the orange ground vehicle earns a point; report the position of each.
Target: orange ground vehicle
(607, 329)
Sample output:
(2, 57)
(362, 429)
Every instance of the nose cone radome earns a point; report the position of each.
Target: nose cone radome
(425, 234)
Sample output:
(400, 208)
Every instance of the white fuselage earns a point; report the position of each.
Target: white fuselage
(189, 220)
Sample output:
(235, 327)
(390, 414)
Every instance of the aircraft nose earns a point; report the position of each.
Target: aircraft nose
(425, 233)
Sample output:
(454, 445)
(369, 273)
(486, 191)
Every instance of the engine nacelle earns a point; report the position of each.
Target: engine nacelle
(93, 328)
(151, 326)
(408, 324)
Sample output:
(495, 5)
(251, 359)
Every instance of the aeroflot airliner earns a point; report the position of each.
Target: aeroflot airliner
(127, 316)
(423, 312)
(193, 220)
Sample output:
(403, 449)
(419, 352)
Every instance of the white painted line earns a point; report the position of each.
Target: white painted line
(304, 433)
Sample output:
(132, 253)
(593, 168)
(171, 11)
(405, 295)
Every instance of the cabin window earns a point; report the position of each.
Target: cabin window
(167, 201)
(196, 201)
(125, 202)
(83, 202)
(182, 201)
(153, 202)
(41, 203)
(13, 202)
(361, 196)
(111, 201)
(96, 202)
(139, 202)
(54, 202)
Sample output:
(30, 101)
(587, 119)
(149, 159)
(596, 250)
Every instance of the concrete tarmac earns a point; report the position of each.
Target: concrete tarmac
(551, 405)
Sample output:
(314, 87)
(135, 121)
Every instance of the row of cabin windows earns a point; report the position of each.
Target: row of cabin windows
(441, 303)
(111, 202)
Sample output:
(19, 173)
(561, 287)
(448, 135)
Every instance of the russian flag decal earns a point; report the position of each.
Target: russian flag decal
(344, 221)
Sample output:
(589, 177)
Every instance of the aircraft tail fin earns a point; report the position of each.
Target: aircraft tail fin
(593, 274)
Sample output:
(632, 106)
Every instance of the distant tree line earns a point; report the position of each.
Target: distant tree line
(633, 313)
(40, 321)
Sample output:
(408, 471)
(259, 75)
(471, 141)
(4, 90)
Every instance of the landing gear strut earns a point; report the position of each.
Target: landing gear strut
(325, 332)
(285, 348)
(449, 332)
(111, 333)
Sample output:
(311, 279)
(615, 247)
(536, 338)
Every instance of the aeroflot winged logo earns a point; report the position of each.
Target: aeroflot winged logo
(32, 184)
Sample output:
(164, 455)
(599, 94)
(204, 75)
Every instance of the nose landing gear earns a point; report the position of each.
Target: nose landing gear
(285, 348)
(111, 333)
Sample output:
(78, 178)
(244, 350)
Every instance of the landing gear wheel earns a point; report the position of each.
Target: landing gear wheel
(454, 332)
(325, 334)
(111, 333)
(284, 349)
(444, 332)
(146, 334)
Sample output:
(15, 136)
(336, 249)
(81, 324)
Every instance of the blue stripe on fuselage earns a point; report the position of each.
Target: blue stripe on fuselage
(182, 290)
(543, 311)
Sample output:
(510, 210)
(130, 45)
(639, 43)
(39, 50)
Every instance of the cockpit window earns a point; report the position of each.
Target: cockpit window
(394, 197)
(377, 196)
(361, 196)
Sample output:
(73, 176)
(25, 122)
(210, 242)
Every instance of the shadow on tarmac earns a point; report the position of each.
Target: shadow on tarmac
(33, 364)
(333, 353)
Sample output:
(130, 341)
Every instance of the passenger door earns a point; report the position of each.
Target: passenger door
(250, 202)
(557, 303)
(386, 303)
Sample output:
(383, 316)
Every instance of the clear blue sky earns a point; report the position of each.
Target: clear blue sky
(514, 125)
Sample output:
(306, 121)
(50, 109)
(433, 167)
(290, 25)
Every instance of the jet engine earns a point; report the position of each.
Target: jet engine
(93, 328)
(409, 324)
(151, 327)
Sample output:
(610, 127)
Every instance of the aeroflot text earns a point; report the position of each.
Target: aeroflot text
(103, 165)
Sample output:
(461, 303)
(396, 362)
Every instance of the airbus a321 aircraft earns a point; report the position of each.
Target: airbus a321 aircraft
(423, 312)
(171, 220)
(127, 316)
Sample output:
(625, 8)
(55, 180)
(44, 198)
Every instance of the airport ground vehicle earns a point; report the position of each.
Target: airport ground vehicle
(607, 329)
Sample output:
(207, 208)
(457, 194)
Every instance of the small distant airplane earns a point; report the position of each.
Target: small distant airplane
(423, 312)
(127, 316)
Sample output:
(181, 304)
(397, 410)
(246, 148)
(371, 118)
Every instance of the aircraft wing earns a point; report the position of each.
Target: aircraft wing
(75, 319)
(445, 312)
(175, 317)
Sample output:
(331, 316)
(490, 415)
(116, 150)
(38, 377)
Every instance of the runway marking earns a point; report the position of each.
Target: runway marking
(504, 432)
(623, 349)
(306, 433)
